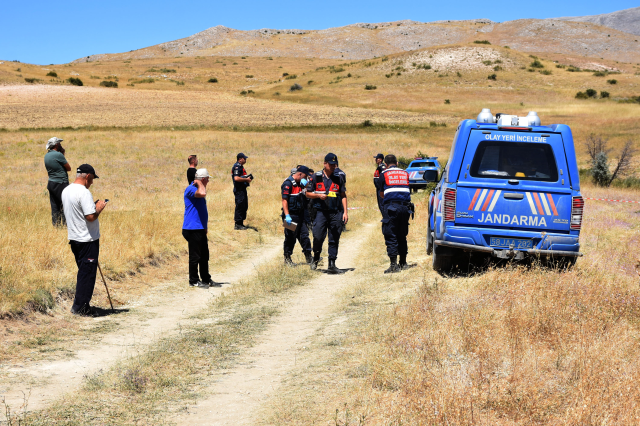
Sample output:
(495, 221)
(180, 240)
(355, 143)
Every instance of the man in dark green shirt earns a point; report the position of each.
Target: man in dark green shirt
(57, 167)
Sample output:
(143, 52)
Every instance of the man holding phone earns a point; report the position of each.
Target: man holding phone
(327, 192)
(83, 230)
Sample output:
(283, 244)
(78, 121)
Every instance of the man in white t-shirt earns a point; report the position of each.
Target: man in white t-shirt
(83, 229)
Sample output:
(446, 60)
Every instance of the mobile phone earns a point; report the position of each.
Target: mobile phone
(106, 200)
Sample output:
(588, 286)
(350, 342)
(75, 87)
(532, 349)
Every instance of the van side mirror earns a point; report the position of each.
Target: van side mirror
(430, 175)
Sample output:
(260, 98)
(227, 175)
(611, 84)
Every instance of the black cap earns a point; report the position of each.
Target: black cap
(241, 155)
(86, 168)
(380, 156)
(303, 169)
(331, 158)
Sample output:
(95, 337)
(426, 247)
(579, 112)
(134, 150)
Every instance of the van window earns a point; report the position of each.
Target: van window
(423, 164)
(510, 160)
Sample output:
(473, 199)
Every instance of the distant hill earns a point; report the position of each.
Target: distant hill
(366, 40)
(627, 20)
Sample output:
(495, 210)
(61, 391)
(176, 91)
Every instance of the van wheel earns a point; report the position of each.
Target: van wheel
(429, 237)
(442, 259)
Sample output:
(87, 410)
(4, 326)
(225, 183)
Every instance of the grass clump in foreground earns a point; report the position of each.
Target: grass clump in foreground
(148, 387)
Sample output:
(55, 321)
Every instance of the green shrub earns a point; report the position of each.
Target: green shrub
(581, 95)
(447, 102)
(536, 64)
(531, 70)
(310, 82)
(284, 74)
(335, 70)
(249, 76)
(277, 94)
(458, 74)
(481, 42)
(487, 62)
(95, 77)
(52, 74)
(75, 81)
(179, 83)
(145, 80)
(388, 75)
(599, 74)
(367, 123)
(492, 77)
(34, 80)
(212, 80)
(612, 81)
(600, 170)
(573, 69)
(545, 72)
(604, 94)
(370, 87)
(560, 66)
(244, 92)
(591, 93)
(295, 87)
(497, 68)
(108, 84)
(291, 77)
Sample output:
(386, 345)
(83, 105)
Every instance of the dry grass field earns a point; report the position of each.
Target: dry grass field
(503, 345)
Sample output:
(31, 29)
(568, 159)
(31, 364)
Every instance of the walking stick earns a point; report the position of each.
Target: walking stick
(105, 286)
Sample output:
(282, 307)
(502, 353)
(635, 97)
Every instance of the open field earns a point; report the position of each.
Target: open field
(504, 345)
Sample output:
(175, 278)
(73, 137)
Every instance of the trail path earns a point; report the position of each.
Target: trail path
(236, 397)
(157, 315)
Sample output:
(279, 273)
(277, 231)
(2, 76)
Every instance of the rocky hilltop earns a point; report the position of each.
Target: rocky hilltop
(367, 40)
(627, 20)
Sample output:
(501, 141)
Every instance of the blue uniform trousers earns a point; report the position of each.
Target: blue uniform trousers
(327, 222)
(395, 227)
(301, 234)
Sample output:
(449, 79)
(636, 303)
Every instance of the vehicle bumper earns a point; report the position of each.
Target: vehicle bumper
(507, 253)
(544, 244)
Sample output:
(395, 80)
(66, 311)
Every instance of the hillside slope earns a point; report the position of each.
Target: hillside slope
(627, 20)
(364, 41)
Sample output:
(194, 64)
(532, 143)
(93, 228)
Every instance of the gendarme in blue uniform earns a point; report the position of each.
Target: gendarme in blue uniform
(394, 183)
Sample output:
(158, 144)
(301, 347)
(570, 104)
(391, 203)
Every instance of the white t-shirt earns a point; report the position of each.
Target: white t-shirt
(78, 202)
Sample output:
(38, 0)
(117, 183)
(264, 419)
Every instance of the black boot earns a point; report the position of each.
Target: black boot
(333, 269)
(393, 268)
(308, 257)
(288, 261)
(403, 262)
(314, 262)
(240, 227)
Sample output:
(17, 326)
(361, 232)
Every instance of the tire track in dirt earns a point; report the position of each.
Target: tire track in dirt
(157, 316)
(237, 395)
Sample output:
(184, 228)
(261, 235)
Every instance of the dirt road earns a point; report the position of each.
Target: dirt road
(159, 314)
(236, 397)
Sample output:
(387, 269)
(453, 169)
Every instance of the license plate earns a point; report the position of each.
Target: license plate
(508, 242)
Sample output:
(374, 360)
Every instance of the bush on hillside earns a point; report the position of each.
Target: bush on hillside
(581, 95)
(545, 72)
(52, 74)
(591, 93)
(367, 123)
(481, 42)
(604, 94)
(295, 87)
(75, 81)
(108, 84)
(447, 102)
(492, 77)
(32, 80)
(291, 77)
(249, 76)
(612, 81)
(536, 64)
(599, 74)
(212, 80)
(370, 87)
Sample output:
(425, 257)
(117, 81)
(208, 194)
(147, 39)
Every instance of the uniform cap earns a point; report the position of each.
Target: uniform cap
(53, 142)
(202, 173)
(380, 156)
(86, 168)
(331, 158)
(303, 169)
(241, 155)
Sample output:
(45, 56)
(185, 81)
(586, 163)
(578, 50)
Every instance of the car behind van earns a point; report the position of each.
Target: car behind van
(511, 190)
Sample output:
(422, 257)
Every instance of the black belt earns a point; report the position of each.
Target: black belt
(402, 203)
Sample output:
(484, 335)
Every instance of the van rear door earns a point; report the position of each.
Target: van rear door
(514, 180)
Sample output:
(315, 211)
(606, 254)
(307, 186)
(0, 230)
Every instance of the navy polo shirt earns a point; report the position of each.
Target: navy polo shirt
(196, 215)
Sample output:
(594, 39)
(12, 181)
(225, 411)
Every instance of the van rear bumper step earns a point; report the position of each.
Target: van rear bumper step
(501, 253)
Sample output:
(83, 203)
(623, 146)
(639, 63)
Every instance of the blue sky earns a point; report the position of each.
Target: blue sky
(58, 32)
